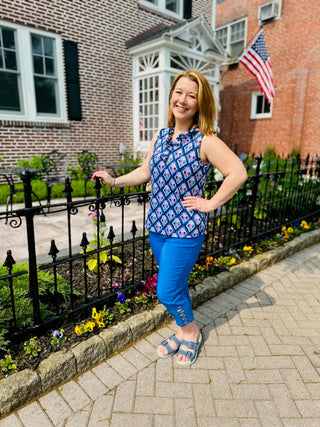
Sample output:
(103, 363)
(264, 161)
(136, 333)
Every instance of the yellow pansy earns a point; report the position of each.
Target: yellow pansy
(78, 330)
(90, 326)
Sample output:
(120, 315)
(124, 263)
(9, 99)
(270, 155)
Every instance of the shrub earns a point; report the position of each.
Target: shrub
(34, 162)
(22, 300)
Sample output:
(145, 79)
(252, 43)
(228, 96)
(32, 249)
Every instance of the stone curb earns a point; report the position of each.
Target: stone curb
(19, 388)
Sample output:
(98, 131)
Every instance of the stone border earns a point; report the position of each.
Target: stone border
(18, 389)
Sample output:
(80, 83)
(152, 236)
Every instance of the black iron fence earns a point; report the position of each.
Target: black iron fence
(277, 193)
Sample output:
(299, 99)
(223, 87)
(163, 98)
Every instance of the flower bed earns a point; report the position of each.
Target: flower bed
(33, 351)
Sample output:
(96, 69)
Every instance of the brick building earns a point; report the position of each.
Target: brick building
(94, 75)
(292, 35)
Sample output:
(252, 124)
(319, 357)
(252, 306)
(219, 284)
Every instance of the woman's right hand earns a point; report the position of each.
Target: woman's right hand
(104, 176)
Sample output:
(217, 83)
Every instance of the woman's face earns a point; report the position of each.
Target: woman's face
(184, 100)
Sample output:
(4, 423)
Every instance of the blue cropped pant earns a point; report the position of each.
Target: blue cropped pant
(176, 258)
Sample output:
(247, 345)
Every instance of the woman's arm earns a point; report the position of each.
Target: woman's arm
(213, 150)
(138, 176)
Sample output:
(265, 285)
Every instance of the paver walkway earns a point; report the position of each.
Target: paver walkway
(259, 365)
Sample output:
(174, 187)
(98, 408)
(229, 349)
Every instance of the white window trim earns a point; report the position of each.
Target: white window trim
(254, 115)
(228, 26)
(160, 7)
(27, 95)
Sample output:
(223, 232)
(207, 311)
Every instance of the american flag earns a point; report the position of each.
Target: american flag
(256, 59)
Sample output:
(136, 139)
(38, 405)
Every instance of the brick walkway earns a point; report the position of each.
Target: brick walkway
(259, 365)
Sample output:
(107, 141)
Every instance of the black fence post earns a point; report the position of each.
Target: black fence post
(33, 272)
(256, 180)
(9, 263)
(68, 192)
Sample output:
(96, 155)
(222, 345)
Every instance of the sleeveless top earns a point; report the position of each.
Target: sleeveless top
(176, 171)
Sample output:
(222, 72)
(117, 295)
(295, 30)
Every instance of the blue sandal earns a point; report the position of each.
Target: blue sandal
(189, 354)
(167, 346)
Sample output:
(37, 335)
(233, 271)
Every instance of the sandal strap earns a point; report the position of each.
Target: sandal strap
(167, 346)
(175, 340)
(190, 344)
(187, 353)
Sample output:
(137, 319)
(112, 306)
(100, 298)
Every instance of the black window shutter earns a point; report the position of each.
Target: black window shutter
(187, 9)
(72, 79)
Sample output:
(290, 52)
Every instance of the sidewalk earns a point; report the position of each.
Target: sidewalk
(55, 226)
(259, 365)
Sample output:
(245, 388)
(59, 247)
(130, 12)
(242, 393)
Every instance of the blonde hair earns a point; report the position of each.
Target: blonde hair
(205, 116)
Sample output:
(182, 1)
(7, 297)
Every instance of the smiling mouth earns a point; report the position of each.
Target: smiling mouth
(178, 107)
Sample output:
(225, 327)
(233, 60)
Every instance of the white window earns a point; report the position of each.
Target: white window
(31, 75)
(169, 7)
(233, 37)
(260, 109)
(148, 93)
(148, 107)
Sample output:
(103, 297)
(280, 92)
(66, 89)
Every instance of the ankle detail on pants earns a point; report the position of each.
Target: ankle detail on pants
(183, 316)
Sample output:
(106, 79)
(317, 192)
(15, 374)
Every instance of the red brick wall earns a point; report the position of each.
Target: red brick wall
(293, 43)
(101, 29)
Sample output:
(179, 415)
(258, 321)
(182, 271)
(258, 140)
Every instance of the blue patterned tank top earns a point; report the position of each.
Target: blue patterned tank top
(176, 171)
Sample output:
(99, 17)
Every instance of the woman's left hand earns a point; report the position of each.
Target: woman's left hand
(197, 204)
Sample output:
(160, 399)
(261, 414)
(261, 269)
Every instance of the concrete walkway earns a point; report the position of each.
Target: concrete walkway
(259, 365)
(55, 226)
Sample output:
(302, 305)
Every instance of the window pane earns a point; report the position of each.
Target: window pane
(45, 95)
(9, 92)
(266, 106)
(172, 5)
(236, 49)
(7, 50)
(36, 44)
(43, 59)
(222, 36)
(48, 46)
(148, 106)
(8, 38)
(38, 65)
(10, 60)
(237, 31)
(49, 66)
(259, 108)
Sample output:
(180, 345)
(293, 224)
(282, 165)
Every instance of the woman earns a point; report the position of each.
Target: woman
(178, 161)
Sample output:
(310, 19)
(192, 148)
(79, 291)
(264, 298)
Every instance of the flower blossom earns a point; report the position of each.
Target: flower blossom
(58, 334)
(121, 298)
(90, 326)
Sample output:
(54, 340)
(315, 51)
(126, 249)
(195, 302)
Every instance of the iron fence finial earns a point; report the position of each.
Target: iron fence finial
(9, 262)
